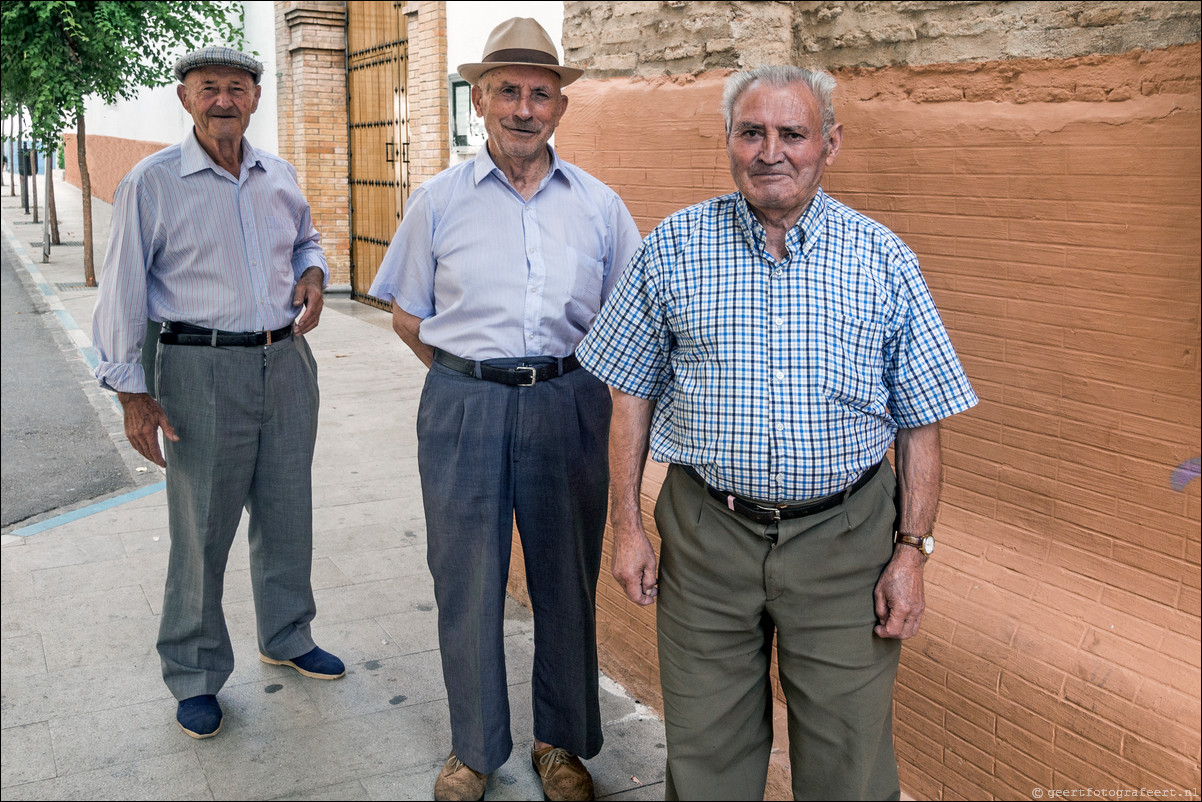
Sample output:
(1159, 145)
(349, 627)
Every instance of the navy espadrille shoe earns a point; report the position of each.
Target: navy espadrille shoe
(316, 663)
(199, 716)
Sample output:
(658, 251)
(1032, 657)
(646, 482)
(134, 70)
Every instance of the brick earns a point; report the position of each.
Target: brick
(1178, 769)
(1148, 610)
(927, 670)
(968, 743)
(1070, 772)
(1048, 678)
(963, 778)
(977, 715)
(1020, 770)
(1090, 728)
(977, 668)
(917, 782)
(1123, 652)
(1151, 714)
(1031, 741)
(1183, 648)
(1190, 601)
(915, 744)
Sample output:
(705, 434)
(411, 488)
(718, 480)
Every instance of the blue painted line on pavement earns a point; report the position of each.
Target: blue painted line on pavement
(92, 509)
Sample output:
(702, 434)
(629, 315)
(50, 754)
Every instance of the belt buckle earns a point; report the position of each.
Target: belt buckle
(526, 370)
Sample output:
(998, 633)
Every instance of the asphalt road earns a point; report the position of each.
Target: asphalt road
(54, 453)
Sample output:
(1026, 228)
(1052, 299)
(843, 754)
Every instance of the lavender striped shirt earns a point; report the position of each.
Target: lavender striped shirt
(192, 244)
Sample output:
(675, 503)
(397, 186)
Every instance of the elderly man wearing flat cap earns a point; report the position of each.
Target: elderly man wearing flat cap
(214, 240)
(497, 271)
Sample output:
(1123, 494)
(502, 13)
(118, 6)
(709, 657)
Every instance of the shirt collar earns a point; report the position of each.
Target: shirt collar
(804, 231)
(484, 167)
(193, 158)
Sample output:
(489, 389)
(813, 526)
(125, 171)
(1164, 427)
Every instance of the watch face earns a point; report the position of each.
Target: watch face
(928, 544)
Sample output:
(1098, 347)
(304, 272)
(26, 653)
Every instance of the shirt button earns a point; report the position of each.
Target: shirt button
(780, 321)
(780, 478)
(780, 375)
(780, 427)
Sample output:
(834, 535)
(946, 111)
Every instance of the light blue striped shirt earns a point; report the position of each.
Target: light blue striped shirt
(494, 275)
(192, 244)
(778, 380)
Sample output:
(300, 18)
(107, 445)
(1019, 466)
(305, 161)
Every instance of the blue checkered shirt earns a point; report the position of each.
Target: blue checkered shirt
(781, 381)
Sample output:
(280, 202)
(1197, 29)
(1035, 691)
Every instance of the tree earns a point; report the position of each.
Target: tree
(54, 54)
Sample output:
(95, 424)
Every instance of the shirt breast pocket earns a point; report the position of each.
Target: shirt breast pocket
(280, 237)
(851, 368)
(584, 294)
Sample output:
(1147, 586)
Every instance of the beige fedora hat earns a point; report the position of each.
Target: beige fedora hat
(519, 42)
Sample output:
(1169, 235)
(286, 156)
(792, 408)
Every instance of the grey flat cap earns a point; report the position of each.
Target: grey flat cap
(217, 56)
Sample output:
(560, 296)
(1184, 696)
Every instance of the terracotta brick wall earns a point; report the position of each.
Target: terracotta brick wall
(109, 159)
(1054, 206)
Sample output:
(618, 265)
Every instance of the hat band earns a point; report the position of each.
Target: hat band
(522, 55)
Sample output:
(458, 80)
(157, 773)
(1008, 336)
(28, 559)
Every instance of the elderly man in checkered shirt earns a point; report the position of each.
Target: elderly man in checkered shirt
(770, 345)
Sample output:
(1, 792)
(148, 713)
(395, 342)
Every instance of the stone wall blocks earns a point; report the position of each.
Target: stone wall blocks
(869, 34)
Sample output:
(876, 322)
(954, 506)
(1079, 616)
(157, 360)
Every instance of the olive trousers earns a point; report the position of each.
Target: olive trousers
(726, 590)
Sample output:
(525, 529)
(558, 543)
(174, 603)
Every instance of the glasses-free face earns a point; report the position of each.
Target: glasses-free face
(221, 101)
(777, 151)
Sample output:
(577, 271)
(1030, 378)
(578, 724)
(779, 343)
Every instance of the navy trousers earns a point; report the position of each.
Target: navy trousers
(488, 453)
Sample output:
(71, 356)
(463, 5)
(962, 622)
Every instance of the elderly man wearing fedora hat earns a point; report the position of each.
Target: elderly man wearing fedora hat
(497, 271)
(214, 240)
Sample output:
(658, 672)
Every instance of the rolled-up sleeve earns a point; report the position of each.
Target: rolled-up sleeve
(307, 251)
(119, 320)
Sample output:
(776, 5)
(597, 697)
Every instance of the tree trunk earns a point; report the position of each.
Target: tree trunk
(33, 180)
(12, 184)
(21, 170)
(85, 186)
(51, 210)
(46, 216)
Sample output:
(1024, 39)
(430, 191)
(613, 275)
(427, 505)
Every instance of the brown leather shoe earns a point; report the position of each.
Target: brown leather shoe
(564, 776)
(459, 782)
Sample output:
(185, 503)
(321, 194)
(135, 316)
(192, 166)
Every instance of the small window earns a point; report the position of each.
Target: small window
(467, 130)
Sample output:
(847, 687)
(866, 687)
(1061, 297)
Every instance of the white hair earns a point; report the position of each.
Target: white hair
(820, 83)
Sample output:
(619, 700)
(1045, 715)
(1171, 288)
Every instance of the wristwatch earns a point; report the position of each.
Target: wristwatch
(924, 543)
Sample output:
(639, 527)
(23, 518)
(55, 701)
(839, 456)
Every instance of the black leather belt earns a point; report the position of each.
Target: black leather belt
(517, 376)
(187, 334)
(771, 513)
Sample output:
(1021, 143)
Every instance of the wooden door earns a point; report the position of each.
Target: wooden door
(377, 53)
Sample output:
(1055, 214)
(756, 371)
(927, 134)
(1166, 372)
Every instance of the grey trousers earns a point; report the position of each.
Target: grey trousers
(247, 423)
(725, 591)
(488, 453)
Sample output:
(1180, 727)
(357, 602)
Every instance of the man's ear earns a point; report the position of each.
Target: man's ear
(834, 141)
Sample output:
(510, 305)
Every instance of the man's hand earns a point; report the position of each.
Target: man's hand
(634, 563)
(408, 328)
(308, 294)
(635, 566)
(143, 419)
(898, 597)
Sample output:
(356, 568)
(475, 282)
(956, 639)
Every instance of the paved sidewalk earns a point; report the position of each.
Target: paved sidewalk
(85, 714)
